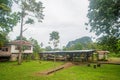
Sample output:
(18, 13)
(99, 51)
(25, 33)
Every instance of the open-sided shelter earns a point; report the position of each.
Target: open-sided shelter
(74, 55)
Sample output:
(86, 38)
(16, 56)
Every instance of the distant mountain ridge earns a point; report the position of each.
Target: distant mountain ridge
(83, 41)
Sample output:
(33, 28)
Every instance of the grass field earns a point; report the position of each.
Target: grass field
(28, 70)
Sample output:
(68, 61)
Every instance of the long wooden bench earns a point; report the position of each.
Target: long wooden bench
(52, 70)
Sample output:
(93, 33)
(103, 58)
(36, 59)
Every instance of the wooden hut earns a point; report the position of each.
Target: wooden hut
(11, 50)
(102, 55)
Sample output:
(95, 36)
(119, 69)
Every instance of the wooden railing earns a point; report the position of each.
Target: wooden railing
(4, 53)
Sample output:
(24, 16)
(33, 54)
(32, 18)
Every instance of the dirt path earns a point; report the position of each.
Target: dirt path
(115, 61)
(47, 72)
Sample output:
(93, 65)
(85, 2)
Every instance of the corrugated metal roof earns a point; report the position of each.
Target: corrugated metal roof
(72, 51)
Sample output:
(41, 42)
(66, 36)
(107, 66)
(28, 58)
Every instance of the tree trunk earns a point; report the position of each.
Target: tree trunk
(21, 31)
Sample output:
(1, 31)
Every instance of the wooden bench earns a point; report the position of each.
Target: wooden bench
(52, 70)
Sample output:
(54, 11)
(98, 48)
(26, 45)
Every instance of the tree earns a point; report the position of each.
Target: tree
(104, 18)
(36, 46)
(30, 9)
(48, 48)
(76, 46)
(23, 38)
(7, 20)
(108, 43)
(54, 39)
(118, 46)
(3, 39)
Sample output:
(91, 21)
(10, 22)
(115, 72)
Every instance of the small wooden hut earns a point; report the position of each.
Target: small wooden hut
(102, 55)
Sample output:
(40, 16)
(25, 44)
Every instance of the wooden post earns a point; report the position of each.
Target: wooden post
(65, 57)
(97, 56)
(98, 65)
(92, 57)
(94, 66)
(88, 65)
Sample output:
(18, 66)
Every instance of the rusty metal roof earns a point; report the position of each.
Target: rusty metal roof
(18, 42)
(102, 52)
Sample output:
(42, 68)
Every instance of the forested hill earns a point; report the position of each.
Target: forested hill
(83, 41)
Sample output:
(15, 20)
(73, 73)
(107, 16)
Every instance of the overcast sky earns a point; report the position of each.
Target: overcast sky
(65, 16)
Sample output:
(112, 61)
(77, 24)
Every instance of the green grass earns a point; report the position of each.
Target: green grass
(105, 72)
(26, 71)
(115, 55)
